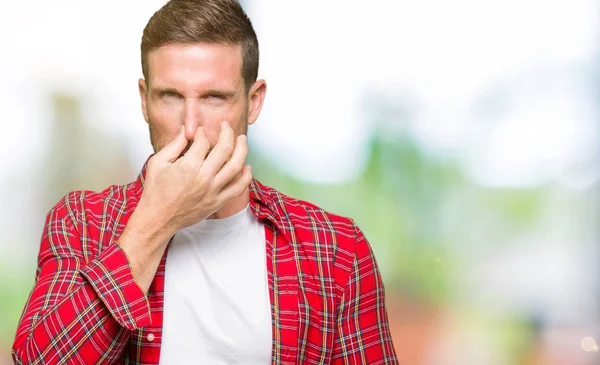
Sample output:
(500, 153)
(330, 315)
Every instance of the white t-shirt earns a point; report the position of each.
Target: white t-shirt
(217, 308)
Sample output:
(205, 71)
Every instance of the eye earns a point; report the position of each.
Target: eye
(215, 97)
(169, 94)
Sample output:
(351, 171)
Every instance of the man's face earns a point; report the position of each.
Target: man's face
(197, 85)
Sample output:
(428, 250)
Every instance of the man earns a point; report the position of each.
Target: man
(195, 261)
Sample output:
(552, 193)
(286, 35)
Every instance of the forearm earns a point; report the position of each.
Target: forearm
(71, 330)
(82, 315)
(143, 241)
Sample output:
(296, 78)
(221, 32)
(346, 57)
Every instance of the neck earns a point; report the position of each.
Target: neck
(235, 206)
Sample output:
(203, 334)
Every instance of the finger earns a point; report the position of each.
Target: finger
(234, 166)
(199, 148)
(173, 149)
(238, 186)
(222, 151)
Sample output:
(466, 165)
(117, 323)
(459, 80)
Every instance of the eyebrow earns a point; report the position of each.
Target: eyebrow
(162, 90)
(158, 90)
(225, 93)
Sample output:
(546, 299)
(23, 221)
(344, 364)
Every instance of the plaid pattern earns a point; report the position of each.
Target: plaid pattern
(327, 298)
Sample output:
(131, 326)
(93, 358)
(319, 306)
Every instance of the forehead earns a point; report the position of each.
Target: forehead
(196, 65)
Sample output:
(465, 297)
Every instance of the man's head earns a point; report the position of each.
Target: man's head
(200, 64)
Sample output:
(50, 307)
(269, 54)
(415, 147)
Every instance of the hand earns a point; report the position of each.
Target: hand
(181, 191)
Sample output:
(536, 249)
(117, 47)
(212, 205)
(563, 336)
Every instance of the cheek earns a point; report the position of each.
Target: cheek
(164, 115)
(214, 114)
(164, 125)
(210, 118)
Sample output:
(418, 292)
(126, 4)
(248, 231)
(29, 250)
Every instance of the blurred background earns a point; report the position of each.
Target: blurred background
(461, 135)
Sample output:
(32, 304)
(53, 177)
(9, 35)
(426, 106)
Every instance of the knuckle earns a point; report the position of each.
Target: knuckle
(227, 145)
(239, 190)
(204, 141)
(227, 170)
(187, 164)
(233, 169)
(201, 183)
(200, 143)
(203, 148)
(243, 144)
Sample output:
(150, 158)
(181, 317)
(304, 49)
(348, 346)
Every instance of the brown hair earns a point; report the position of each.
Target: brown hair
(209, 21)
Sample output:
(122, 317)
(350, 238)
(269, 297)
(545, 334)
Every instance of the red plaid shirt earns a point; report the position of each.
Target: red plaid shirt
(327, 297)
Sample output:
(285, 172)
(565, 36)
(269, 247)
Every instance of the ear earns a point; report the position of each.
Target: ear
(256, 97)
(144, 96)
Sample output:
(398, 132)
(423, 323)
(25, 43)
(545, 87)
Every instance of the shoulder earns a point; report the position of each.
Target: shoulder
(76, 204)
(326, 243)
(314, 224)
(82, 222)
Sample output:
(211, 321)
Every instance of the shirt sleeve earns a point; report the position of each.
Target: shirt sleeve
(363, 334)
(78, 311)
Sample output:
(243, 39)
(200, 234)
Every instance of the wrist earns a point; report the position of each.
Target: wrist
(148, 225)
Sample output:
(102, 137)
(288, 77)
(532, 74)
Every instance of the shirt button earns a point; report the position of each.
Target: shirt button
(150, 337)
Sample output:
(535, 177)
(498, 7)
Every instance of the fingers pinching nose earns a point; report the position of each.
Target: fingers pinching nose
(199, 132)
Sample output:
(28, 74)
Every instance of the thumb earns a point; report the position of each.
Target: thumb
(173, 149)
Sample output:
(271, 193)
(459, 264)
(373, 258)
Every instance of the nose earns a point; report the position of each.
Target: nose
(191, 118)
